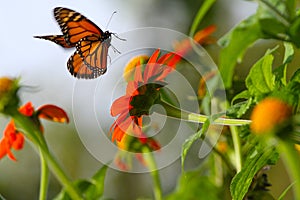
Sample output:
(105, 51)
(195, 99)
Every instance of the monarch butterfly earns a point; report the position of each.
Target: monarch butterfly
(90, 58)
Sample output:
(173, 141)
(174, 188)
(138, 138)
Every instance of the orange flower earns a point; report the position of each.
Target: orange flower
(268, 114)
(141, 94)
(14, 139)
(134, 144)
(202, 37)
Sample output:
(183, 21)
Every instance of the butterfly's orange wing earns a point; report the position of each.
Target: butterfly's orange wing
(58, 39)
(94, 51)
(79, 69)
(74, 25)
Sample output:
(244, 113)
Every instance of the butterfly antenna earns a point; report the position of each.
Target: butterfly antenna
(110, 19)
(116, 35)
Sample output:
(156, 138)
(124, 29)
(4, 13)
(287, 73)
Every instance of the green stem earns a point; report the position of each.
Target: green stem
(199, 16)
(149, 158)
(225, 160)
(44, 178)
(29, 128)
(291, 159)
(175, 112)
(237, 148)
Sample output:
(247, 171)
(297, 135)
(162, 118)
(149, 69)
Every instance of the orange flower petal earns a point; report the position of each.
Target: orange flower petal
(27, 109)
(202, 35)
(19, 142)
(10, 128)
(120, 105)
(53, 113)
(4, 147)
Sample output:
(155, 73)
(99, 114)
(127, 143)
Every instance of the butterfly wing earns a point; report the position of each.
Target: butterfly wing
(93, 51)
(58, 39)
(79, 69)
(74, 25)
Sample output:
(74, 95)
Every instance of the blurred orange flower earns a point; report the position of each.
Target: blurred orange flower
(14, 139)
(268, 114)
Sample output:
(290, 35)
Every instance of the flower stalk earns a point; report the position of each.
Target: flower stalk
(35, 135)
(175, 112)
(151, 164)
(44, 179)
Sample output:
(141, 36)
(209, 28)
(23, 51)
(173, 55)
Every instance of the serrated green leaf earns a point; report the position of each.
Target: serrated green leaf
(280, 72)
(257, 158)
(234, 44)
(260, 80)
(190, 141)
(194, 185)
(242, 95)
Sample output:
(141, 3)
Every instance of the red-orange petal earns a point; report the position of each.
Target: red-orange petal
(53, 113)
(117, 134)
(27, 109)
(19, 142)
(202, 35)
(10, 128)
(120, 105)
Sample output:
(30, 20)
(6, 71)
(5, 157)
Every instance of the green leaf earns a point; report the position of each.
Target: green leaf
(194, 185)
(294, 31)
(90, 189)
(257, 158)
(188, 142)
(260, 80)
(235, 44)
(242, 95)
(96, 189)
(280, 72)
(296, 76)
(278, 20)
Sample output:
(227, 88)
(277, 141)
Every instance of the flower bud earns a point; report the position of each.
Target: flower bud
(269, 114)
(8, 94)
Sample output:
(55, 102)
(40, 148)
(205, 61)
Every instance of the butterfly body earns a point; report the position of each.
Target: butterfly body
(90, 58)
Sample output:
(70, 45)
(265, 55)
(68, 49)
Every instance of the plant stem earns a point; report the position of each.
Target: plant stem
(199, 16)
(44, 179)
(29, 128)
(148, 156)
(175, 112)
(237, 148)
(292, 161)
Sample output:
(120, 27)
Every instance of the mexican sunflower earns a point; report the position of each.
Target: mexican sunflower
(142, 92)
(14, 139)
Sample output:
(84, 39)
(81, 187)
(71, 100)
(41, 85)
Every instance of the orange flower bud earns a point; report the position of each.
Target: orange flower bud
(268, 114)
